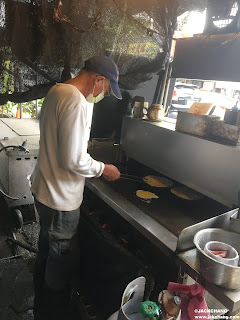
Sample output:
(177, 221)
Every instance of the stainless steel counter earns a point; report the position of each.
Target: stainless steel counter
(166, 241)
(208, 167)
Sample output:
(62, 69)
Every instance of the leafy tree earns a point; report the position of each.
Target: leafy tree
(29, 108)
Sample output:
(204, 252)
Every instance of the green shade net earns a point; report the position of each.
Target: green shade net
(44, 41)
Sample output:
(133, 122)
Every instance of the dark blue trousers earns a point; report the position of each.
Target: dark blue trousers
(57, 229)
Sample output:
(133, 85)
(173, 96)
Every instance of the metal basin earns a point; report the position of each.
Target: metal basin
(214, 271)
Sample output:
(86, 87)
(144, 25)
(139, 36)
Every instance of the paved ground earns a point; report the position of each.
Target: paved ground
(16, 275)
(16, 289)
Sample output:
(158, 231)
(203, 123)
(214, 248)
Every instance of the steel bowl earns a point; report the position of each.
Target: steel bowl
(231, 258)
(214, 271)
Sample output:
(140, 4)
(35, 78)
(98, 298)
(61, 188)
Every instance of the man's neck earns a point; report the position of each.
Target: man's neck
(82, 82)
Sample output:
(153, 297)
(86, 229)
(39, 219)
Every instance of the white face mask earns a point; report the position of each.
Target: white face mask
(90, 98)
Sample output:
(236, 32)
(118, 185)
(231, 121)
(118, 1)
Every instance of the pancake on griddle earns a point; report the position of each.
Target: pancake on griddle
(186, 193)
(159, 182)
(146, 195)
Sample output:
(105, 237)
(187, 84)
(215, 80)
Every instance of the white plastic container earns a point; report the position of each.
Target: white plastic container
(131, 300)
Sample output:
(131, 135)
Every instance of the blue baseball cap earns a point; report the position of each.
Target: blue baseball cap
(106, 67)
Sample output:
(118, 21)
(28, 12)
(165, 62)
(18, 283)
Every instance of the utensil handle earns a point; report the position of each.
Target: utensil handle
(129, 177)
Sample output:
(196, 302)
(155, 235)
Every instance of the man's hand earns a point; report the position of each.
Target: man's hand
(111, 173)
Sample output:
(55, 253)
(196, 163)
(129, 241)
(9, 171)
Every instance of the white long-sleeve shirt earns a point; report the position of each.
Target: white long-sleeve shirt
(63, 163)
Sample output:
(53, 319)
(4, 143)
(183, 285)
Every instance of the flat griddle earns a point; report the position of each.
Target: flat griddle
(173, 213)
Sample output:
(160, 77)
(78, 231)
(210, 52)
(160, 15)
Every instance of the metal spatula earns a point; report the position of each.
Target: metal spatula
(132, 178)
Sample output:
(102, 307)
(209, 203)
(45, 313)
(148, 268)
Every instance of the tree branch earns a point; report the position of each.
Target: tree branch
(38, 70)
(36, 92)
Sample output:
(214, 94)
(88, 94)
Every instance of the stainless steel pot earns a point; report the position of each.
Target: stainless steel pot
(214, 271)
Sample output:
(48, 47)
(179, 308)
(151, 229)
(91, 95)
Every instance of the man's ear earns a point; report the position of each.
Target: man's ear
(100, 78)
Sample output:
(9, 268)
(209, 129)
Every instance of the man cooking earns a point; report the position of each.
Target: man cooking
(63, 164)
